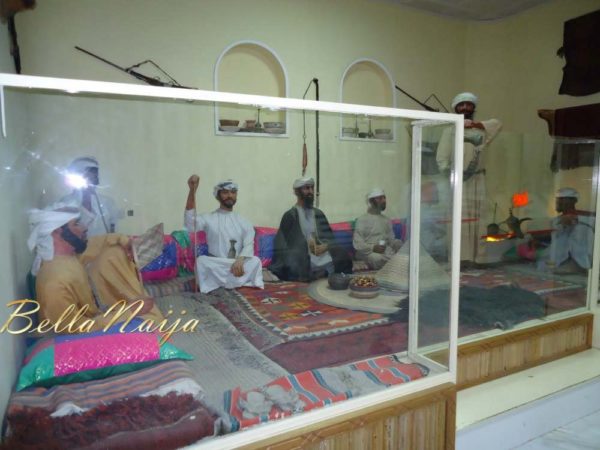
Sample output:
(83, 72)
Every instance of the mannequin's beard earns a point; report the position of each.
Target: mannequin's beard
(380, 207)
(308, 200)
(78, 244)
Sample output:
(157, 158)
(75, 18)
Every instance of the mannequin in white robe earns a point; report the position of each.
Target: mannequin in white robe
(478, 136)
(84, 174)
(231, 262)
(373, 237)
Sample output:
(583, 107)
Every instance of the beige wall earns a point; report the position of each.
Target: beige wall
(512, 65)
(312, 38)
(15, 198)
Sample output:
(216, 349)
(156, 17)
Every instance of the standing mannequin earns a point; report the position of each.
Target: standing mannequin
(477, 137)
(84, 174)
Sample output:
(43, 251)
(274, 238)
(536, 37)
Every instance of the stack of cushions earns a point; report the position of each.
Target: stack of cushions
(89, 356)
(157, 407)
(164, 267)
(264, 241)
(176, 256)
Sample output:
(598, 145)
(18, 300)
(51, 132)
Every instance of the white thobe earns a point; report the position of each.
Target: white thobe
(106, 213)
(574, 241)
(370, 229)
(473, 193)
(221, 227)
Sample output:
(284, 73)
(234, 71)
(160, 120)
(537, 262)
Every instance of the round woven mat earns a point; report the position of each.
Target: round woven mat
(385, 303)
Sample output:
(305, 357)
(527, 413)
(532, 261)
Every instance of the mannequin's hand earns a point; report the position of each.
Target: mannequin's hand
(193, 182)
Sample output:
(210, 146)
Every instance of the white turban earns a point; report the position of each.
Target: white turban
(229, 185)
(42, 223)
(567, 192)
(377, 192)
(79, 165)
(464, 97)
(304, 181)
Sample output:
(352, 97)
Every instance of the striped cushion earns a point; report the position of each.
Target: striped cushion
(148, 246)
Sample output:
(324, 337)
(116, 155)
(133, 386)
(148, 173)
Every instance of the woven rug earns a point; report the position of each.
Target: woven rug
(539, 283)
(174, 286)
(385, 303)
(285, 312)
(223, 359)
(296, 356)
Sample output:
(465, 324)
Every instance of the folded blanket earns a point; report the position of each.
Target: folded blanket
(159, 406)
(311, 389)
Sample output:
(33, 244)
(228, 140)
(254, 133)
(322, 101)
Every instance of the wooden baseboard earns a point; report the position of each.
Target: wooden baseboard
(426, 420)
(490, 358)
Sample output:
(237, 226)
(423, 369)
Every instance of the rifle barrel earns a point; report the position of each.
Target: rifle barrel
(151, 81)
(101, 59)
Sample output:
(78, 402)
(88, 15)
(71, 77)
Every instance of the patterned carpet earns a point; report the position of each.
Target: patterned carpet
(287, 311)
(223, 359)
(560, 293)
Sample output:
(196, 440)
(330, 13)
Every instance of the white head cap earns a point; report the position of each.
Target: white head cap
(464, 97)
(376, 192)
(79, 165)
(304, 181)
(229, 185)
(42, 223)
(567, 192)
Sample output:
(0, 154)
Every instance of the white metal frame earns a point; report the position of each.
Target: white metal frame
(216, 84)
(70, 86)
(415, 228)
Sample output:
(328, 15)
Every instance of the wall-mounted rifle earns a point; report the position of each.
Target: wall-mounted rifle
(153, 81)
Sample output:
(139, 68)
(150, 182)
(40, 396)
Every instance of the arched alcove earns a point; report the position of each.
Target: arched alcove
(367, 82)
(250, 67)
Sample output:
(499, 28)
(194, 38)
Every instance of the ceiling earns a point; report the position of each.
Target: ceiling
(472, 9)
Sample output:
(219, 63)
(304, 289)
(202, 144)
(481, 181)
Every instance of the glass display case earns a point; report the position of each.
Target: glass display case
(528, 246)
(288, 349)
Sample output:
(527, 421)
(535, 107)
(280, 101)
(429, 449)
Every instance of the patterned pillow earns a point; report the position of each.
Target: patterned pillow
(264, 244)
(342, 232)
(164, 267)
(148, 246)
(90, 356)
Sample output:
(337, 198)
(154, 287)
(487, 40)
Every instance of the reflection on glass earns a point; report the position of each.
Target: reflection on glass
(325, 312)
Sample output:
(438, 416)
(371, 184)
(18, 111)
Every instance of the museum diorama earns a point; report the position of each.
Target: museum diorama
(273, 262)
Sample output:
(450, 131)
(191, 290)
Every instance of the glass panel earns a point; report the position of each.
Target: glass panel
(527, 231)
(331, 297)
(435, 248)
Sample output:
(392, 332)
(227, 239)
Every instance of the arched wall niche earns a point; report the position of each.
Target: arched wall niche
(367, 82)
(251, 67)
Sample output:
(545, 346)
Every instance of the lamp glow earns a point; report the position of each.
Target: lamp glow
(75, 180)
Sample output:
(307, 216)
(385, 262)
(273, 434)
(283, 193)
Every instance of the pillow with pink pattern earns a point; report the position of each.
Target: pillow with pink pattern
(89, 356)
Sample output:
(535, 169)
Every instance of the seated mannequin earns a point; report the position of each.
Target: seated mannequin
(572, 235)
